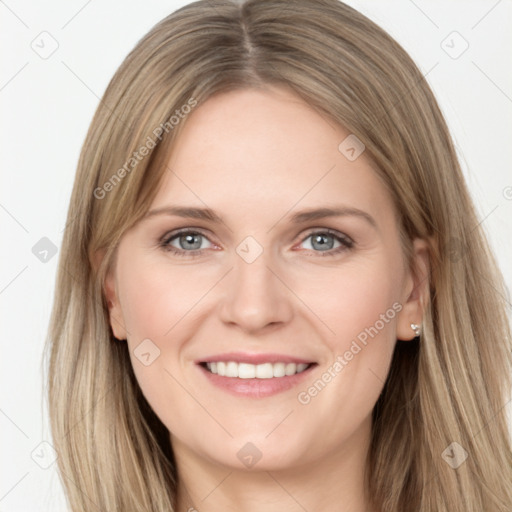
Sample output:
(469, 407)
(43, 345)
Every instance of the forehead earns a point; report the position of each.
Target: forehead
(250, 151)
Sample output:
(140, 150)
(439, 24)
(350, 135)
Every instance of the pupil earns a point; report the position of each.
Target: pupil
(321, 240)
(189, 239)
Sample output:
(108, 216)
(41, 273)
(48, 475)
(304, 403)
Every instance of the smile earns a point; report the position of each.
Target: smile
(254, 375)
(255, 371)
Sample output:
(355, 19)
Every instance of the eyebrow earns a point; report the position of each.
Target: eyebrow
(303, 216)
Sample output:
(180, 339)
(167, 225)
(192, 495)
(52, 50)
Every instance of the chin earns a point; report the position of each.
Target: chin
(258, 454)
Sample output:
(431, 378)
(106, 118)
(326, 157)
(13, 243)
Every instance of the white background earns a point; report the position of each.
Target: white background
(47, 106)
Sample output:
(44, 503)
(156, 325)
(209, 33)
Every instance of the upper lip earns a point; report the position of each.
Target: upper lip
(242, 357)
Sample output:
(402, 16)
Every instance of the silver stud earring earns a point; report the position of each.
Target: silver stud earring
(416, 329)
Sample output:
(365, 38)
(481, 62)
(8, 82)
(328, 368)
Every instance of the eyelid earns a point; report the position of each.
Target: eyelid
(164, 242)
(319, 229)
(329, 231)
(169, 235)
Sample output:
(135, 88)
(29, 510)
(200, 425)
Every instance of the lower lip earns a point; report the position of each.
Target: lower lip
(256, 388)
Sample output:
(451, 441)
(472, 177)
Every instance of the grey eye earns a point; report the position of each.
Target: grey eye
(188, 241)
(321, 241)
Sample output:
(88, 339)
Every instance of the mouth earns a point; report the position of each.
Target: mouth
(255, 376)
(232, 369)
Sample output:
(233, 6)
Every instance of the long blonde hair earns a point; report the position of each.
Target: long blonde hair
(449, 387)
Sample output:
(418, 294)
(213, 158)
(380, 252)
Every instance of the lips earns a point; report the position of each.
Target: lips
(255, 375)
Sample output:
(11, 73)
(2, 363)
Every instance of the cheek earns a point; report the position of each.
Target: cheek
(159, 304)
(156, 297)
(360, 303)
(357, 301)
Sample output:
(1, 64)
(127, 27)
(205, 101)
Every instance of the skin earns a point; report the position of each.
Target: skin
(256, 158)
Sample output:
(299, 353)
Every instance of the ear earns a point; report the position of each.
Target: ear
(110, 290)
(416, 291)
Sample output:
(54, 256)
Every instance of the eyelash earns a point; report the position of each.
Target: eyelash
(346, 242)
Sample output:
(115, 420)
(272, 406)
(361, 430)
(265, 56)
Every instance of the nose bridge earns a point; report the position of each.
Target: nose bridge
(255, 296)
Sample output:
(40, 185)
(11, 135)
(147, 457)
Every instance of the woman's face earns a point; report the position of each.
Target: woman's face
(239, 262)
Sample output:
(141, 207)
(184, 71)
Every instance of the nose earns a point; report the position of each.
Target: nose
(257, 296)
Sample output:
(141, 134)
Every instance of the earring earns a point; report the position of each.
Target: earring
(416, 329)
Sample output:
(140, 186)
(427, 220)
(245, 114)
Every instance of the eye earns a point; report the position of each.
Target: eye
(191, 243)
(328, 242)
(185, 243)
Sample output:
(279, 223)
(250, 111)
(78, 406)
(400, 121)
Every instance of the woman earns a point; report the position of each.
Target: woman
(274, 292)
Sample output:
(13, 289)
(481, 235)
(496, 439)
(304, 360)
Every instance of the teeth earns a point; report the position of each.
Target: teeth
(258, 371)
(231, 369)
(247, 371)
